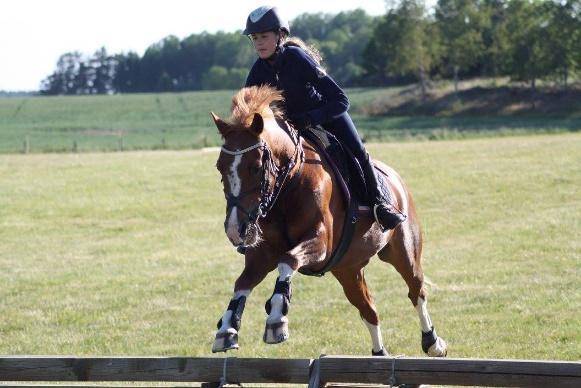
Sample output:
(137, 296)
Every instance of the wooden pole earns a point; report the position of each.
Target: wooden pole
(449, 371)
(327, 369)
(26, 144)
(173, 369)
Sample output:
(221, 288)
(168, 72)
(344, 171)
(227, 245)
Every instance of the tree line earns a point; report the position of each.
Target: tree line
(526, 40)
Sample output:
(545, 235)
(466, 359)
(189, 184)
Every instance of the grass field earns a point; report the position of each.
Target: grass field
(125, 254)
(182, 121)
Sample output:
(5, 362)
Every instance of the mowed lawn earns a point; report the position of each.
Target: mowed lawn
(125, 254)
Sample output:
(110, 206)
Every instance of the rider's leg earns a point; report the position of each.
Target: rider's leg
(385, 213)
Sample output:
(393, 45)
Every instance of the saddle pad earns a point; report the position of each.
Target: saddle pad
(341, 159)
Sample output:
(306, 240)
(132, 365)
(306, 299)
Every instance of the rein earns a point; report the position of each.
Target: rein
(268, 194)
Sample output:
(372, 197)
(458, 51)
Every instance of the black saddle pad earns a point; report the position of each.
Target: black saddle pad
(346, 164)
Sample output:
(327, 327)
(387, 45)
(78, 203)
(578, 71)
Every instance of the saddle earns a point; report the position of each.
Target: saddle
(349, 176)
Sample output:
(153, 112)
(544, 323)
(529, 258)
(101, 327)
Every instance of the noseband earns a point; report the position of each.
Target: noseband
(268, 193)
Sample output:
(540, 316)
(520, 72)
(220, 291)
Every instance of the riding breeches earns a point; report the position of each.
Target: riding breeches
(344, 130)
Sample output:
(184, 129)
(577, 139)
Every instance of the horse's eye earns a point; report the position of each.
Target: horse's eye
(256, 169)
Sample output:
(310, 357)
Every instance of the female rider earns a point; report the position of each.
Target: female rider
(311, 96)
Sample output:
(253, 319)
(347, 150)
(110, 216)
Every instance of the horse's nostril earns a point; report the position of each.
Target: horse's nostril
(242, 229)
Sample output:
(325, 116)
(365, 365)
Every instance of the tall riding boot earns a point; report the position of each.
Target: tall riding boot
(386, 215)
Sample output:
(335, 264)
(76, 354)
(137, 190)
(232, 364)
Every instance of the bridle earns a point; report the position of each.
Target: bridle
(268, 193)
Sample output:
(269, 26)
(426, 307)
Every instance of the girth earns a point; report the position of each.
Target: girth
(351, 213)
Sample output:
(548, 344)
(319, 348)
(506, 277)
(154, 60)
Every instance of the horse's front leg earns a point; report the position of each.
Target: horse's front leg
(311, 250)
(254, 272)
(277, 307)
(229, 324)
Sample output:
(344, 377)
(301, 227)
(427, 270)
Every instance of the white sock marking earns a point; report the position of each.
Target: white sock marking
(277, 300)
(375, 332)
(422, 309)
(285, 271)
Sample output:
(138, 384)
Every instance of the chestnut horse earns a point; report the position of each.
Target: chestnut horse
(285, 210)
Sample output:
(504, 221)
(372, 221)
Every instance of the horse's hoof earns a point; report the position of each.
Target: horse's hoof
(275, 333)
(438, 349)
(225, 341)
(381, 353)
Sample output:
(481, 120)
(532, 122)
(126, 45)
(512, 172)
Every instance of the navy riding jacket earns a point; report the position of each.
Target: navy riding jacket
(310, 94)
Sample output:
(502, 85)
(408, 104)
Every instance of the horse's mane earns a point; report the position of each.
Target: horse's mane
(255, 99)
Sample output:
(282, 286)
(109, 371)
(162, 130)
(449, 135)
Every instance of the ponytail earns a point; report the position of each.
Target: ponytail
(310, 50)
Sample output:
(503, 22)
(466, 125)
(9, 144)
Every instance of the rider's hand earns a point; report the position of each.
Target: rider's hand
(300, 120)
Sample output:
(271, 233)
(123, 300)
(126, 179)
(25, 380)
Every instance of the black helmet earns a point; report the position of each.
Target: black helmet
(265, 18)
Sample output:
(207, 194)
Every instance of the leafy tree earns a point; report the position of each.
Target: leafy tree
(62, 81)
(523, 33)
(404, 42)
(526, 39)
(214, 77)
(564, 38)
(127, 73)
(461, 24)
(103, 68)
(311, 27)
(494, 46)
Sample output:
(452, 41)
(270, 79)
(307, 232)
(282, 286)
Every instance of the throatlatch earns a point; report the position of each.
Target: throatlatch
(237, 308)
(281, 287)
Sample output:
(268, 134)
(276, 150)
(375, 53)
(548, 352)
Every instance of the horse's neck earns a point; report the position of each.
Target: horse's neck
(280, 142)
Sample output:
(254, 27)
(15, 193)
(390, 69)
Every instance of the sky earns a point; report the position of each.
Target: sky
(35, 33)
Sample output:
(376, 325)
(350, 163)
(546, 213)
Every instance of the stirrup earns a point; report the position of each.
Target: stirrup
(387, 217)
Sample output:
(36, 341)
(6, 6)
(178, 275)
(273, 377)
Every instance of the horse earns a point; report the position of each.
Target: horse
(285, 211)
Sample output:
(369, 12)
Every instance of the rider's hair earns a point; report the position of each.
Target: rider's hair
(298, 42)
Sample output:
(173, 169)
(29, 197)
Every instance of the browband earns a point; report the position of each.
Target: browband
(245, 150)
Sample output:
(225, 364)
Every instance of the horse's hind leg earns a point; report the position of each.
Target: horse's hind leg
(404, 253)
(355, 288)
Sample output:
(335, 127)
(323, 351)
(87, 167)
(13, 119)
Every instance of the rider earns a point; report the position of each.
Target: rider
(311, 96)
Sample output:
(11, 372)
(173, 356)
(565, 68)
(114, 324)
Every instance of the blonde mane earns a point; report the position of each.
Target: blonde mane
(255, 99)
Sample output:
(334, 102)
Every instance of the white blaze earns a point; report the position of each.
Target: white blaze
(233, 177)
(235, 187)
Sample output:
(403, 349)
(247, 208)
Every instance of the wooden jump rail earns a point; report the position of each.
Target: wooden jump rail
(373, 371)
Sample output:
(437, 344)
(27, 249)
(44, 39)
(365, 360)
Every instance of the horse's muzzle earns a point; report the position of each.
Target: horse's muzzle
(241, 233)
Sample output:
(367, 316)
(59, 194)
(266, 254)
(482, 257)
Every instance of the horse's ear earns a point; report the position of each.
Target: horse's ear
(257, 124)
(221, 124)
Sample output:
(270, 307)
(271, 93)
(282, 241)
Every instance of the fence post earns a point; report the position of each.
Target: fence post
(26, 144)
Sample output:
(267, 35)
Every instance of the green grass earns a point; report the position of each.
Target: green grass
(95, 123)
(182, 121)
(125, 254)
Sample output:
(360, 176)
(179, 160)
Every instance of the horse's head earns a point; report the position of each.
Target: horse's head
(254, 146)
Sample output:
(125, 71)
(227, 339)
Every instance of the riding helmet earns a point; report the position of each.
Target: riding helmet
(265, 18)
